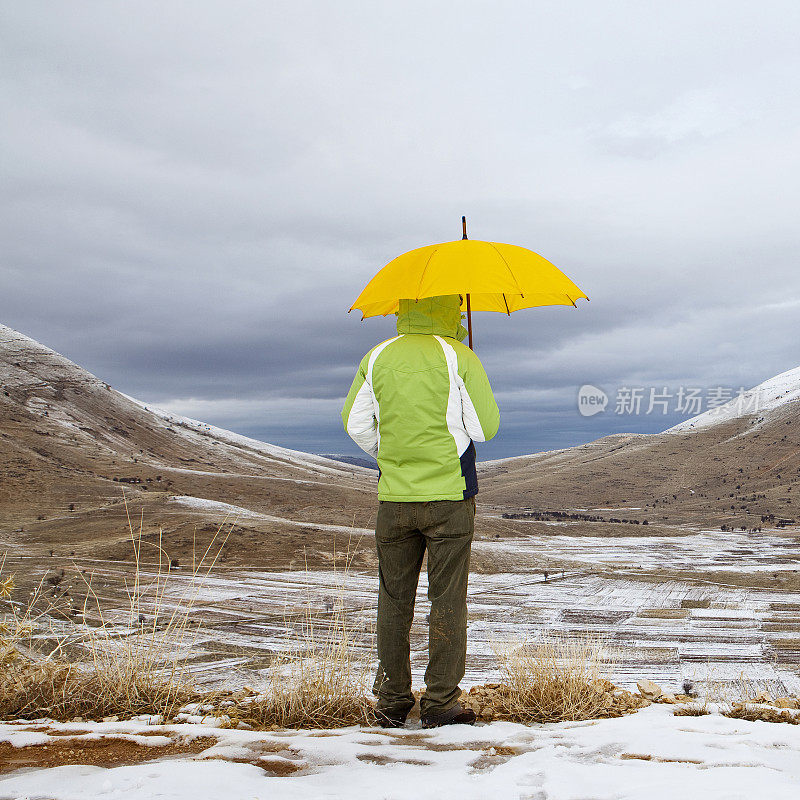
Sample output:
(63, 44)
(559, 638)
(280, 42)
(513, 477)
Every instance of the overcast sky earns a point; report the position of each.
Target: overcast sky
(193, 193)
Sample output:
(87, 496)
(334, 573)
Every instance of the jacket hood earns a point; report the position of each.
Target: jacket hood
(433, 315)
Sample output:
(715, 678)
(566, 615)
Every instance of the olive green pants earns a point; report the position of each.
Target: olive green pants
(403, 533)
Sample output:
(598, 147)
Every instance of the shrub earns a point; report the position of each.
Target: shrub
(555, 679)
(322, 682)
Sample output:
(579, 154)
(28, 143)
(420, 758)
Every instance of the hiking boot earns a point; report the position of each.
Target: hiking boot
(387, 720)
(456, 715)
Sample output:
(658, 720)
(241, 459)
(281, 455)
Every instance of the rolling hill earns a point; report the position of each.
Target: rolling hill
(71, 447)
(731, 465)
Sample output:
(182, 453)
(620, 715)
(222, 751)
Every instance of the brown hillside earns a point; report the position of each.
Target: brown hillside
(70, 446)
(731, 473)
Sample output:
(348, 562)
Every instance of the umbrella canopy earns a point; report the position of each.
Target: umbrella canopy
(490, 276)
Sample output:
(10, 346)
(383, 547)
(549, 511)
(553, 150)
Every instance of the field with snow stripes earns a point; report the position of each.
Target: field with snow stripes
(668, 630)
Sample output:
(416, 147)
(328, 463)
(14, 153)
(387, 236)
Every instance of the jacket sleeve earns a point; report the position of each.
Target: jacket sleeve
(479, 410)
(358, 414)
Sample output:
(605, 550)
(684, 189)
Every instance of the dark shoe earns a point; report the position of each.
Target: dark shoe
(386, 720)
(456, 715)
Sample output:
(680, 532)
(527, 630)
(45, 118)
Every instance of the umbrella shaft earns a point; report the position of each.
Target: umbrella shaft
(469, 322)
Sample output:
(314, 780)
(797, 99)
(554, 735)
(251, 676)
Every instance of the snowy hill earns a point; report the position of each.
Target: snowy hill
(30, 372)
(763, 400)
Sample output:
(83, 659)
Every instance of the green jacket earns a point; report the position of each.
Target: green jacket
(419, 401)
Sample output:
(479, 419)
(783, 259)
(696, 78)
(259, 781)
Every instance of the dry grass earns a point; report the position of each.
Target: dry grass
(694, 710)
(753, 713)
(322, 685)
(131, 662)
(555, 679)
(322, 681)
(130, 667)
(720, 695)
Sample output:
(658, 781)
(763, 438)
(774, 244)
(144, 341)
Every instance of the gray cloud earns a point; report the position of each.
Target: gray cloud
(193, 194)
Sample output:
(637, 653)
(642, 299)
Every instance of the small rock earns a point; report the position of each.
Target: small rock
(115, 718)
(649, 689)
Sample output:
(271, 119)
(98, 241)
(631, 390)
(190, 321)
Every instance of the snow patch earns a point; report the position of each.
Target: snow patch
(234, 513)
(651, 754)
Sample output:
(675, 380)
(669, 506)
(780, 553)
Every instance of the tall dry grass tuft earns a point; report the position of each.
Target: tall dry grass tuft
(29, 680)
(322, 681)
(129, 667)
(321, 685)
(557, 678)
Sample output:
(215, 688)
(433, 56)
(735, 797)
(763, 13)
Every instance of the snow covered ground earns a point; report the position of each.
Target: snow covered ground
(698, 551)
(668, 631)
(651, 754)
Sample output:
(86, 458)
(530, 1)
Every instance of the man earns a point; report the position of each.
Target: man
(417, 404)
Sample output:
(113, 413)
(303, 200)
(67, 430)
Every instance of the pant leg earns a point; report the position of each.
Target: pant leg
(448, 533)
(401, 548)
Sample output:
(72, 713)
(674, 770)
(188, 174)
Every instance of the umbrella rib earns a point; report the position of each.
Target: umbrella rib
(513, 277)
(506, 302)
(422, 276)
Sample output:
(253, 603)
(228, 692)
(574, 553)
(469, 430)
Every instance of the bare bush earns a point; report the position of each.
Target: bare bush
(555, 679)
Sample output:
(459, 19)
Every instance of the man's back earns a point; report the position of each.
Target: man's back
(418, 402)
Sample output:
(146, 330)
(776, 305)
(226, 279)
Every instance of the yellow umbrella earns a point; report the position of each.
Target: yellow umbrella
(489, 275)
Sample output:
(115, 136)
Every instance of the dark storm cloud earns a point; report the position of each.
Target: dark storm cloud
(194, 193)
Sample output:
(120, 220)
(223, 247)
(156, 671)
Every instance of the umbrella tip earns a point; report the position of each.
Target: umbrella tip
(464, 227)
